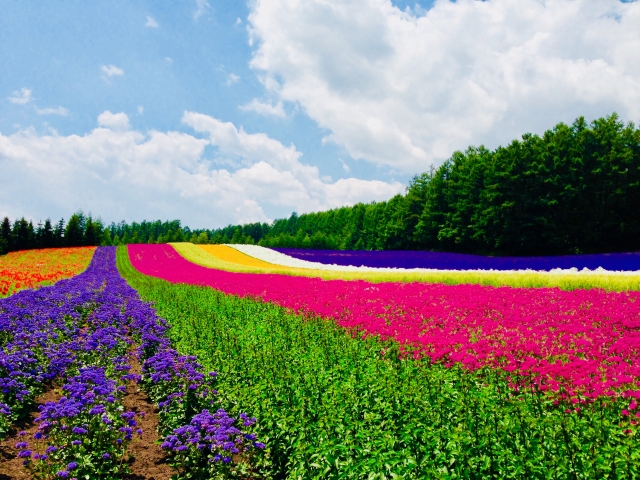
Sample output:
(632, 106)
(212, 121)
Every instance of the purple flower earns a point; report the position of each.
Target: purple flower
(115, 315)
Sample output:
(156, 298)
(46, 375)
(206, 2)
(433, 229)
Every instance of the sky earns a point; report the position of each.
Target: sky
(221, 112)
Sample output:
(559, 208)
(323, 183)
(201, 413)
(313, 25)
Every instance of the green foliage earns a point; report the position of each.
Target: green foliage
(333, 405)
(73, 231)
(79, 231)
(572, 190)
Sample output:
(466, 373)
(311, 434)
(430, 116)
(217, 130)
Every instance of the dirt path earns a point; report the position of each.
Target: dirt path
(10, 465)
(149, 458)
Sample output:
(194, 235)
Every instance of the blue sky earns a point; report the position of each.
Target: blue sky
(219, 112)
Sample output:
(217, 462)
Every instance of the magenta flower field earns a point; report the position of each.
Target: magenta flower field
(584, 342)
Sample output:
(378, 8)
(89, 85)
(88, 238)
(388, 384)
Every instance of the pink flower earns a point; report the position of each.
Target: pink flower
(581, 342)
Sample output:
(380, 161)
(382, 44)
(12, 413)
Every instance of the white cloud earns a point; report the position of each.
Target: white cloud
(120, 173)
(111, 70)
(21, 96)
(169, 60)
(201, 8)
(114, 121)
(140, 109)
(53, 111)
(407, 89)
(266, 109)
(345, 167)
(151, 23)
(232, 78)
(238, 21)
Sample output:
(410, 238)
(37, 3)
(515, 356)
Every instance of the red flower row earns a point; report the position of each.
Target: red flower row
(33, 268)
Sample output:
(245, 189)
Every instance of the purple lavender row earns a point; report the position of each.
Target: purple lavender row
(200, 436)
(460, 261)
(71, 334)
(80, 332)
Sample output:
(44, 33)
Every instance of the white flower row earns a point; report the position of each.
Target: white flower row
(277, 258)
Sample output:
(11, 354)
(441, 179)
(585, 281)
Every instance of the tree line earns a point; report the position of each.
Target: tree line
(84, 230)
(23, 235)
(574, 189)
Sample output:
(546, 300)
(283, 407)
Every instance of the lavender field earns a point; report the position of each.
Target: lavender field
(459, 261)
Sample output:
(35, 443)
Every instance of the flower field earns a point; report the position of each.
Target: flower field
(33, 268)
(565, 279)
(343, 379)
(582, 342)
(237, 257)
(459, 261)
(495, 387)
(82, 338)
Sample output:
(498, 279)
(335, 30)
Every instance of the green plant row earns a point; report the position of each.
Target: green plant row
(332, 405)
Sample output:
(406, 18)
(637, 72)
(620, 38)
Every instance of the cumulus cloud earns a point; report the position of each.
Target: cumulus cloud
(262, 108)
(111, 70)
(53, 111)
(120, 173)
(407, 88)
(114, 121)
(21, 96)
(151, 23)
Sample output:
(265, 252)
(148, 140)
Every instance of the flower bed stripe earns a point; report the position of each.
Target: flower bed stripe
(233, 255)
(34, 268)
(459, 261)
(523, 279)
(582, 342)
(442, 266)
(81, 332)
(335, 406)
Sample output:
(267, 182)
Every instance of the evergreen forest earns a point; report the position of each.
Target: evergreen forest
(575, 189)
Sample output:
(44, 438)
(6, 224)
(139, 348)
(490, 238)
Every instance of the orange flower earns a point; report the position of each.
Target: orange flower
(36, 268)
